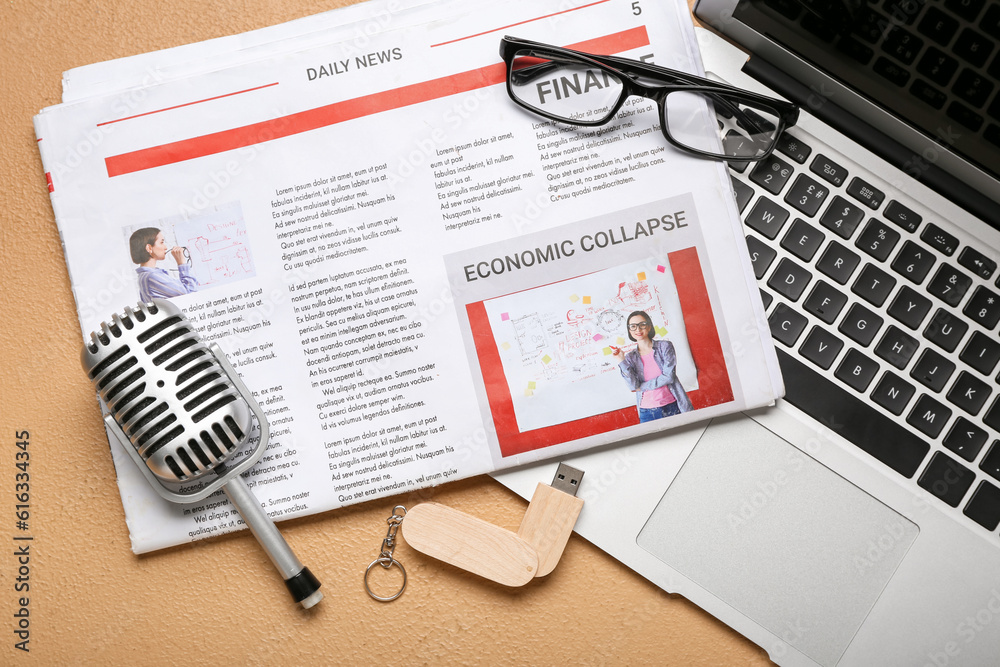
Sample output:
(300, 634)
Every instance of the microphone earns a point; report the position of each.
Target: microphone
(183, 414)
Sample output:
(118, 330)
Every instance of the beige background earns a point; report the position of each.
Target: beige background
(93, 601)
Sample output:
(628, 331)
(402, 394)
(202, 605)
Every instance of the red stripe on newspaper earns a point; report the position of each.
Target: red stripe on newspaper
(338, 112)
(186, 104)
(48, 180)
(714, 387)
(512, 25)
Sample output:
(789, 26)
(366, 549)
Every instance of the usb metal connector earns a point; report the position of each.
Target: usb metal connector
(567, 479)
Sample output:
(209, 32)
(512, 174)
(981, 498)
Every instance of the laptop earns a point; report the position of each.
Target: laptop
(856, 521)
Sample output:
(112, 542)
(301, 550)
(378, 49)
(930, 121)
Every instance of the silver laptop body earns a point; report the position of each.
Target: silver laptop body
(855, 522)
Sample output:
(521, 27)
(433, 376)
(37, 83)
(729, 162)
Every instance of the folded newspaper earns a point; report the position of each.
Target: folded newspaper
(418, 280)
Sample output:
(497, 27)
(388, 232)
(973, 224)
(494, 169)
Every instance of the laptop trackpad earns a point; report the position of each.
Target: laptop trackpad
(778, 536)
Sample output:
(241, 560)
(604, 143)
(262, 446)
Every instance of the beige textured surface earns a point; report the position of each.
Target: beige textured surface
(219, 602)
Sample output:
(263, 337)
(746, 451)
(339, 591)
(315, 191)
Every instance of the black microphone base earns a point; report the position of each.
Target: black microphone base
(304, 588)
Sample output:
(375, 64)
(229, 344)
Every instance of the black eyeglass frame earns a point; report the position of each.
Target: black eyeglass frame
(626, 70)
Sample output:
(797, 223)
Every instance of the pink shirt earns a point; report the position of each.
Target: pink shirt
(657, 397)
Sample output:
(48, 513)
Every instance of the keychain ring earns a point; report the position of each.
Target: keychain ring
(387, 563)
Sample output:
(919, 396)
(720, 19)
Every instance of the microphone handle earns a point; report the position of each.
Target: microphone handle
(301, 583)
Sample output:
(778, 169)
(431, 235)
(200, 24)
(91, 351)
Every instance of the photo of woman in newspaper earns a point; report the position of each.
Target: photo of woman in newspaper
(650, 370)
(147, 247)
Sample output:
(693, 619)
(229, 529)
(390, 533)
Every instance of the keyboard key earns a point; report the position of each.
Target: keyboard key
(991, 22)
(856, 370)
(964, 115)
(913, 262)
(969, 393)
(828, 170)
(761, 256)
(896, 347)
(825, 301)
(949, 284)
(946, 478)
(939, 240)
(937, 66)
(878, 239)
(983, 308)
(789, 279)
(771, 174)
(892, 393)
(967, 9)
(965, 439)
(860, 324)
(974, 47)
(873, 285)
(928, 94)
(938, 26)
(867, 194)
(909, 307)
(842, 217)
(992, 133)
(897, 213)
(766, 299)
(977, 262)
(806, 195)
(838, 262)
(767, 217)
(981, 352)
(756, 122)
(742, 192)
(737, 143)
(803, 240)
(991, 462)
(821, 347)
(973, 88)
(984, 506)
(786, 324)
(868, 24)
(932, 370)
(794, 148)
(945, 330)
(891, 72)
(902, 45)
(851, 417)
(928, 416)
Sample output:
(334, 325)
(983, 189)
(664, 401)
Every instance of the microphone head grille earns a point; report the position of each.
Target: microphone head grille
(166, 390)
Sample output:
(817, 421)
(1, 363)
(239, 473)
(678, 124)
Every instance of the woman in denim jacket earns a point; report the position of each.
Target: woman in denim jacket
(651, 371)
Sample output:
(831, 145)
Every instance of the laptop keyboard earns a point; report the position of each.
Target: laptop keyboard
(885, 321)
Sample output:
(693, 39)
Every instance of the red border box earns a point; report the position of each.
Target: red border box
(714, 387)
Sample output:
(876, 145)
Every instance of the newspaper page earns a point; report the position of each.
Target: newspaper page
(341, 222)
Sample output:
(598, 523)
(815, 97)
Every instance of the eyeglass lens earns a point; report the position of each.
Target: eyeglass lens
(567, 89)
(637, 326)
(710, 122)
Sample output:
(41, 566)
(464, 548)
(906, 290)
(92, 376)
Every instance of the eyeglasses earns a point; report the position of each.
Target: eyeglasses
(588, 90)
(637, 326)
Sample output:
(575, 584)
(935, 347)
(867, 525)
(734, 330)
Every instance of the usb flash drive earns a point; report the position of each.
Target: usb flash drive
(508, 558)
(550, 517)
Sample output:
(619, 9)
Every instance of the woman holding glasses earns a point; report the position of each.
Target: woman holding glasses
(650, 370)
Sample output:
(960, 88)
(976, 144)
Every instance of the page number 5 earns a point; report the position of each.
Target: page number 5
(636, 9)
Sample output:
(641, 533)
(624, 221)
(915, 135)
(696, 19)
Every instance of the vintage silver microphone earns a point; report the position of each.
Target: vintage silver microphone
(183, 414)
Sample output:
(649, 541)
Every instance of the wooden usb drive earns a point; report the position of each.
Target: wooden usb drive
(470, 543)
(500, 555)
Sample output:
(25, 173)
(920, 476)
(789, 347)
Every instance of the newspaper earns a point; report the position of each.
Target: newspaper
(419, 280)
